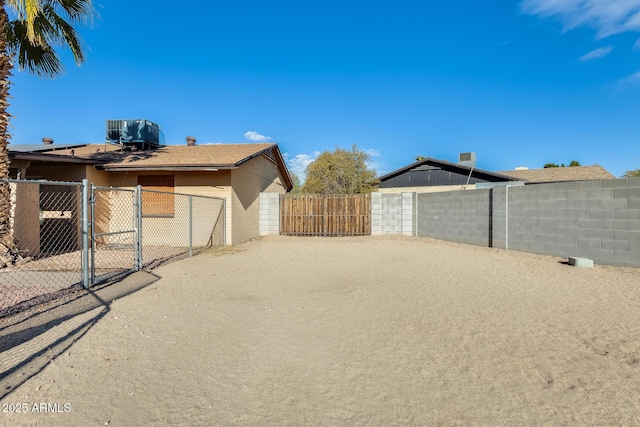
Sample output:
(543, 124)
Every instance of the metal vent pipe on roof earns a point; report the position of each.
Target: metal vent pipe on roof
(191, 141)
(47, 141)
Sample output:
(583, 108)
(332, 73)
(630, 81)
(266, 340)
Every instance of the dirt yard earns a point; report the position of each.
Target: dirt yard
(343, 331)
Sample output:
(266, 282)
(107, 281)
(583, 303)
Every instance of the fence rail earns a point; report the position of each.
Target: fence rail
(324, 215)
(59, 236)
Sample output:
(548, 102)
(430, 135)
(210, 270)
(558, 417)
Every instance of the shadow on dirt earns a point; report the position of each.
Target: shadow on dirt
(32, 339)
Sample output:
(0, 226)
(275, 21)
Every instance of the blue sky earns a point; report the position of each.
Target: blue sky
(521, 83)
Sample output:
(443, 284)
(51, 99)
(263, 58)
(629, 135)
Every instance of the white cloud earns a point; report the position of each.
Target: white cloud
(632, 80)
(256, 137)
(596, 54)
(376, 165)
(607, 17)
(372, 152)
(299, 163)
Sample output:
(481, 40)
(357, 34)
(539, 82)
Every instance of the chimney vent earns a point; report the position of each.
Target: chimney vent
(191, 141)
(47, 141)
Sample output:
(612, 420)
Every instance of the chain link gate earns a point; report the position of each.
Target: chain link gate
(60, 236)
(115, 232)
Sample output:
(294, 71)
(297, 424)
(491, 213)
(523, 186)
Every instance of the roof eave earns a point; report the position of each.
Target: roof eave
(56, 158)
(168, 168)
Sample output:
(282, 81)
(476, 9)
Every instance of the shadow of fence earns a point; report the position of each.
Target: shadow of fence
(30, 340)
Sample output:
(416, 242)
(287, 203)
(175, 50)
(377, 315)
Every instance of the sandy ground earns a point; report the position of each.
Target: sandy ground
(349, 331)
(43, 278)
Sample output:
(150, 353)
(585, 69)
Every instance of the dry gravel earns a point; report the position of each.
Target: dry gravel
(349, 331)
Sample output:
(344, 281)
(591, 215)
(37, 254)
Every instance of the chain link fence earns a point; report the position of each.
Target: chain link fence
(41, 248)
(178, 225)
(61, 236)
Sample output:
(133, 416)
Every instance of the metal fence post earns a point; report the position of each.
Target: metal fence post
(224, 222)
(93, 234)
(138, 217)
(190, 226)
(85, 233)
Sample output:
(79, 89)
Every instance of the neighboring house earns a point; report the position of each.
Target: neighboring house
(238, 172)
(433, 175)
(570, 173)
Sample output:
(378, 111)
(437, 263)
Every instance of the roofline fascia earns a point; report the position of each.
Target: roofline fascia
(169, 168)
(50, 158)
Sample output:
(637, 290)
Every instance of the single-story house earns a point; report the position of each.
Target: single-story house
(432, 175)
(237, 172)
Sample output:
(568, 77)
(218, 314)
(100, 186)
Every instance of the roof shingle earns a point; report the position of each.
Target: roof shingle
(214, 155)
(571, 173)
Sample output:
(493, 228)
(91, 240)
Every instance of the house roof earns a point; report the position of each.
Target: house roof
(463, 169)
(212, 157)
(571, 173)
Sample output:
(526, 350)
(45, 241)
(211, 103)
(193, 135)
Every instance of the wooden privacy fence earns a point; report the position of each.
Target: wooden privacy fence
(324, 215)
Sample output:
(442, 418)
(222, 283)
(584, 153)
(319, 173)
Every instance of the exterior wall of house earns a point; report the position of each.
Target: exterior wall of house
(58, 172)
(25, 217)
(248, 181)
(96, 177)
(174, 230)
(427, 176)
(432, 189)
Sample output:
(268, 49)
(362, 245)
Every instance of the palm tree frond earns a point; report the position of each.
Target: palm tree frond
(61, 32)
(27, 11)
(77, 10)
(37, 59)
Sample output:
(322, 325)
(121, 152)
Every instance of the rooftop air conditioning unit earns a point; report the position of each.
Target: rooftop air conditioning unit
(467, 159)
(139, 133)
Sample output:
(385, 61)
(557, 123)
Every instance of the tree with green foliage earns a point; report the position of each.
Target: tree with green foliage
(631, 173)
(297, 187)
(555, 165)
(31, 30)
(340, 172)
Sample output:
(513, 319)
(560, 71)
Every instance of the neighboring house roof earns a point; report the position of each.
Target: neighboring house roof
(430, 162)
(110, 157)
(570, 173)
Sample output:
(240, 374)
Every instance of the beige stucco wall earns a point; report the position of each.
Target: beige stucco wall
(25, 217)
(241, 187)
(174, 231)
(429, 189)
(248, 181)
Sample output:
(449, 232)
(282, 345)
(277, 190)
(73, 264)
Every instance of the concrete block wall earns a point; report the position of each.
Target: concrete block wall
(457, 216)
(408, 202)
(599, 220)
(269, 213)
(386, 214)
(392, 213)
